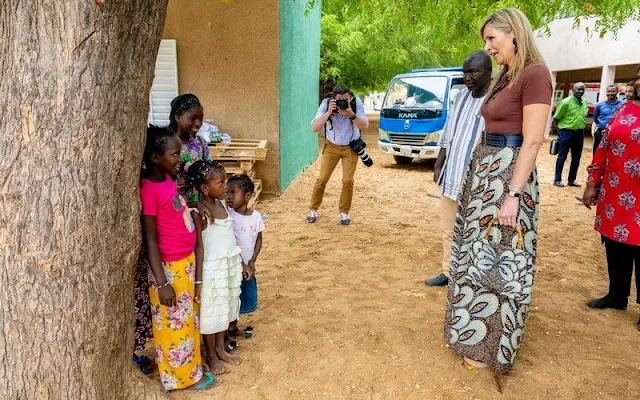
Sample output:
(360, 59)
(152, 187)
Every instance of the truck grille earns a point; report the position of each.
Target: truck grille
(404, 139)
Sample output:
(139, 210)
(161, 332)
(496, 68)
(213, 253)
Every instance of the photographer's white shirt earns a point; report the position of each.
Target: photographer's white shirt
(341, 130)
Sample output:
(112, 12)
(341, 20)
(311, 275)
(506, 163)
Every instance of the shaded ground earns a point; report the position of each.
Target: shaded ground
(344, 313)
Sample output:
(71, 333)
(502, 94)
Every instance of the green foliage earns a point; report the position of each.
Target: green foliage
(366, 42)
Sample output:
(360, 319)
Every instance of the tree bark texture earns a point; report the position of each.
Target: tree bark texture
(75, 77)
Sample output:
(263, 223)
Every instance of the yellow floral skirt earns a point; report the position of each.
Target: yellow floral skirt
(176, 331)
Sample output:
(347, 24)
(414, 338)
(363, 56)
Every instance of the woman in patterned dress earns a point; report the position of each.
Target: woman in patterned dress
(185, 119)
(616, 166)
(494, 242)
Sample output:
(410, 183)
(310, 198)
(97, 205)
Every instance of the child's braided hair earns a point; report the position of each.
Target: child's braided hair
(202, 171)
(243, 181)
(156, 143)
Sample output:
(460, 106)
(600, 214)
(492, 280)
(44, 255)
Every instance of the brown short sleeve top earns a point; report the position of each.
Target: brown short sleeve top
(503, 113)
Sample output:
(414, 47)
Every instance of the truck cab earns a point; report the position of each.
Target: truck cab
(414, 112)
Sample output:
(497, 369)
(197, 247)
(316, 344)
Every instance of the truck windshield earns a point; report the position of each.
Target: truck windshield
(416, 93)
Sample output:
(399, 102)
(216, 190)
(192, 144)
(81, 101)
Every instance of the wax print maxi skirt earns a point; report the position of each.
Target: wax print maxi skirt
(492, 267)
(176, 332)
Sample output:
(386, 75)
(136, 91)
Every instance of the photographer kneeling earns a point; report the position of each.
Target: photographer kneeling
(341, 116)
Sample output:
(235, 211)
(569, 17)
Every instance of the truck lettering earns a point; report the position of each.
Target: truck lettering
(408, 115)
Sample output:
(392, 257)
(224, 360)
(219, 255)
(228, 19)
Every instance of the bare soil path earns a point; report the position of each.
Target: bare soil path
(344, 312)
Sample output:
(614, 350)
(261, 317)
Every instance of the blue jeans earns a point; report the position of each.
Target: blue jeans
(249, 296)
(569, 140)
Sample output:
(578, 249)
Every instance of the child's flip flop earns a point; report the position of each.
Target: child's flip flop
(210, 383)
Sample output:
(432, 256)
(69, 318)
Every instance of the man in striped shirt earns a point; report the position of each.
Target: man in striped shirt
(461, 133)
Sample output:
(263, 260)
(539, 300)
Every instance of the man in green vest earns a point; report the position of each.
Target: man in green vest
(569, 122)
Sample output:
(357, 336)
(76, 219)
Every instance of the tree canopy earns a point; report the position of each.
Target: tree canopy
(366, 42)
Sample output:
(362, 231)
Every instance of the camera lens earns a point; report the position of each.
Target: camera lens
(342, 104)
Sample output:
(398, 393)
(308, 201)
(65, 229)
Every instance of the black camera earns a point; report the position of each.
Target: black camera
(342, 104)
(358, 146)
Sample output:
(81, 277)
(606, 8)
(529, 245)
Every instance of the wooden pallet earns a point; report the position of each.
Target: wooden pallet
(254, 198)
(239, 150)
(240, 157)
(239, 168)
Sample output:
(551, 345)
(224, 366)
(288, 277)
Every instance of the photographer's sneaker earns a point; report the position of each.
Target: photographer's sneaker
(312, 216)
(344, 219)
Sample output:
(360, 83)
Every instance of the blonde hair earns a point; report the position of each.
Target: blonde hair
(510, 20)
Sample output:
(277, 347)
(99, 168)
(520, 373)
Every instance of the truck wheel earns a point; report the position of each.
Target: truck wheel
(402, 160)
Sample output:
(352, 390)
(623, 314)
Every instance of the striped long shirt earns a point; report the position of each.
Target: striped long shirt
(460, 136)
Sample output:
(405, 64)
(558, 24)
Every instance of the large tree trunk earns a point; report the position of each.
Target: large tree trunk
(74, 83)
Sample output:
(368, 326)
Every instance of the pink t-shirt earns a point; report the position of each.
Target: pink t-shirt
(175, 229)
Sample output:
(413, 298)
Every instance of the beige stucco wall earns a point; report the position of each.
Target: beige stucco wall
(228, 55)
(569, 49)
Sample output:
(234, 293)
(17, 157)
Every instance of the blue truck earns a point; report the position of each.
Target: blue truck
(414, 112)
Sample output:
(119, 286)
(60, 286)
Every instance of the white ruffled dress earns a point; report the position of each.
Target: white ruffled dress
(221, 277)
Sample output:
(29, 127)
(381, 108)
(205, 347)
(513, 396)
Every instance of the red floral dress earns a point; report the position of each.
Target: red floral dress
(616, 164)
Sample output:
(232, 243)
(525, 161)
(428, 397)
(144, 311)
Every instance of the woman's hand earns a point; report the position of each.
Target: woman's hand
(589, 196)
(205, 214)
(167, 296)
(509, 211)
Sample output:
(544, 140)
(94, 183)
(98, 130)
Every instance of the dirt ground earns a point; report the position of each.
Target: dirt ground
(344, 313)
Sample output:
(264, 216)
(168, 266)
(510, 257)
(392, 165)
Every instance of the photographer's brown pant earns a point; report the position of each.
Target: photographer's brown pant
(330, 158)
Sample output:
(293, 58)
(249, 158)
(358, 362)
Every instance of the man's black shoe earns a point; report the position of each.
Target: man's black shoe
(605, 302)
(440, 280)
(575, 184)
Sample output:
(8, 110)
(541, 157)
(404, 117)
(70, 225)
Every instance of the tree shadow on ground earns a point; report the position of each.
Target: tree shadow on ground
(422, 165)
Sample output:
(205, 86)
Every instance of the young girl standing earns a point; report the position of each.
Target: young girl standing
(247, 226)
(219, 274)
(170, 238)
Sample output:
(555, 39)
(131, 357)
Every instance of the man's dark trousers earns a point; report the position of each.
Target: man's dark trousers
(569, 140)
(597, 137)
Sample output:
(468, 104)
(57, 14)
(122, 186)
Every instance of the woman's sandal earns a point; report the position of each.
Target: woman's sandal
(472, 364)
(210, 383)
(248, 332)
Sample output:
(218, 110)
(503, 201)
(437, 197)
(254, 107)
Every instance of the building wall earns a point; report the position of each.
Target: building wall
(228, 55)
(299, 87)
(570, 49)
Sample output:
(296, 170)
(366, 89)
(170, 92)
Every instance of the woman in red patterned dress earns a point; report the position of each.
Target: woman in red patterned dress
(616, 164)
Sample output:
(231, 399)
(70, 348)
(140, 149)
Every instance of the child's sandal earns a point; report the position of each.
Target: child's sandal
(231, 346)
(144, 363)
(248, 332)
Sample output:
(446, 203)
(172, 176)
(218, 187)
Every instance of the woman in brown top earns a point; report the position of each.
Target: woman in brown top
(494, 246)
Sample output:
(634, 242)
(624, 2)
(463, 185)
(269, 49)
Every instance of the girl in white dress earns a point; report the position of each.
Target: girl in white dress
(218, 265)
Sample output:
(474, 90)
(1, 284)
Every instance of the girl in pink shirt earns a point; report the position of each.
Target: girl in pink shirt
(171, 238)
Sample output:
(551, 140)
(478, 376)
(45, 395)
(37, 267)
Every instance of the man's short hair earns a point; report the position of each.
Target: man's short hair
(340, 89)
(484, 56)
(613, 85)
